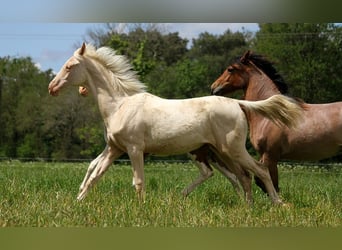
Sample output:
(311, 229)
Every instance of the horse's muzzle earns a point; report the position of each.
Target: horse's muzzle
(55, 86)
(52, 90)
(216, 91)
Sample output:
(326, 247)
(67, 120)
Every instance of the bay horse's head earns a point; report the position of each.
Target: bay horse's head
(235, 77)
(71, 73)
(238, 75)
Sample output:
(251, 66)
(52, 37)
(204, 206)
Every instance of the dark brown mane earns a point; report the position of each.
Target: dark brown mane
(267, 67)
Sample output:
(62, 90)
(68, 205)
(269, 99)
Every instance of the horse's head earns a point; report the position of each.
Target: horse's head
(71, 73)
(233, 78)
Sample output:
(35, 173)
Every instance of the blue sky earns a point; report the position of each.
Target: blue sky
(50, 44)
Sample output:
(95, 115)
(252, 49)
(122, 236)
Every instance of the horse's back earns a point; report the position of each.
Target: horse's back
(318, 136)
(194, 112)
(213, 105)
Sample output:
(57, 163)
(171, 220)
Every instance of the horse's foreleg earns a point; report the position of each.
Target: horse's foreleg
(273, 170)
(271, 164)
(104, 160)
(90, 169)
(94, 162)
(137, 160)
(205, 173)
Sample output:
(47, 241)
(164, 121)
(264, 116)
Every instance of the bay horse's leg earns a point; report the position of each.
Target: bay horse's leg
(204, 157)
(232, 168)
(271, 164)
(223, 169)
(246, 183)
(104, 160)
(205, 170)
(242, 175)
(137, 161)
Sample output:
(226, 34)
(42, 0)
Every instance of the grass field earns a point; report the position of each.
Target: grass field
(44, 195)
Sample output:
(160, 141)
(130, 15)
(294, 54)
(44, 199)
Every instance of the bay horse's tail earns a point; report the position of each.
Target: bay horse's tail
(280, 109)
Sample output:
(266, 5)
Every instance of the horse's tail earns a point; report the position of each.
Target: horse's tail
(280, 109)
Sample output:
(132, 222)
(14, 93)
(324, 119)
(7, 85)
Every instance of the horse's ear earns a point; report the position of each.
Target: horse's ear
(245, 57)
(82, 50)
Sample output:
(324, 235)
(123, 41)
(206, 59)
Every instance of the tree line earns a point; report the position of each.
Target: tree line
(34, 125)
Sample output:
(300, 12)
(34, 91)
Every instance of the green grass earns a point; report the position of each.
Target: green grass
(44, 195)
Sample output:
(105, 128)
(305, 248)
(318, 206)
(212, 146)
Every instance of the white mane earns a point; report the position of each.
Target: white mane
(125, 80)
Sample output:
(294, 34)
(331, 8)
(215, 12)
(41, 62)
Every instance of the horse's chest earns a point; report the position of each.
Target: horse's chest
(263, 135)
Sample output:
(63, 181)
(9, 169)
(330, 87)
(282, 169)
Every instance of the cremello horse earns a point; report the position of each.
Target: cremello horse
(140, 123)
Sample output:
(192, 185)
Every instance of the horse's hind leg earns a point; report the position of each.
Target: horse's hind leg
(206, 171)
(258, 169)
(103, 162)
(224, 169)
(137, 159)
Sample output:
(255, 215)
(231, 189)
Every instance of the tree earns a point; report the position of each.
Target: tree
(21, 95)
(35, 125)
(308, 55)
(214, 53)
(144, 44)
(183, 79)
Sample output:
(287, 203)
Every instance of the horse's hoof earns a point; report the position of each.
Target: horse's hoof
(286, 205)
(80, 196)
(283, 204)
(185, 194)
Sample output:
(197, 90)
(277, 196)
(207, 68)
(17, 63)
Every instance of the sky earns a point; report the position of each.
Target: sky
(48, 30)
(51, 44)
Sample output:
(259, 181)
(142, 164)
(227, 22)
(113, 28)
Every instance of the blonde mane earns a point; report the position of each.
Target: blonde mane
(124, 80)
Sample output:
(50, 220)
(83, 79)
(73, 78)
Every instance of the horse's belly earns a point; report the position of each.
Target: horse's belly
(174, 146)
(312, 152)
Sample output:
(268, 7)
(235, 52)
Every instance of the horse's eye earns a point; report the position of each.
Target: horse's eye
(68, 67)
(230, 69)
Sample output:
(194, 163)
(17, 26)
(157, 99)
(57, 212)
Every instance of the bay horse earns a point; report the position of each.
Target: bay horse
(139, 123)
(318, 135)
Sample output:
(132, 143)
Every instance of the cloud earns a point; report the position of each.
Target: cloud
(38, 66)
(192, 30)
(52, 58)
(55, 55)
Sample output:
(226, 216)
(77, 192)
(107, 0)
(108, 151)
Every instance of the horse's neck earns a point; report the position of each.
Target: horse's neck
(107, 99)
(260, 87)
